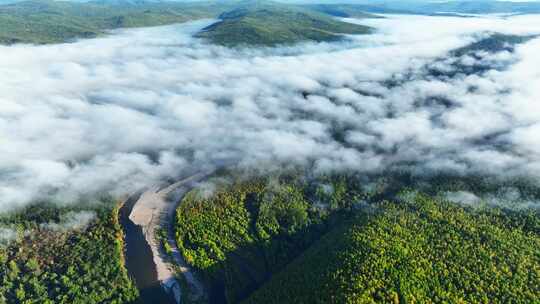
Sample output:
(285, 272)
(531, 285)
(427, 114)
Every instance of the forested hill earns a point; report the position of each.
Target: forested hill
(41, 22)
(273, 24)
(47, 21)
(329, 240)
(63, 255)
(417, 251)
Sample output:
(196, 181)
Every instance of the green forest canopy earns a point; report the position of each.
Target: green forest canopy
(329, 241)
(64, 266)
(47, 21)
(417, 251)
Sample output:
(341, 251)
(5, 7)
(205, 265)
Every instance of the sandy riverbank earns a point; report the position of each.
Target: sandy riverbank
(155, 209)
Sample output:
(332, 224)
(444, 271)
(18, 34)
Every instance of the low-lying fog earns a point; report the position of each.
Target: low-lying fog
(114, 114)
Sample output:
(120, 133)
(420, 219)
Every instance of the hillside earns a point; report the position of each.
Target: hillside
(493, 43)
(328, 240)
(474, 58)
(245, 22)
(272, 25)
(344, 10)
(417, 251)
(246, 232)
(44, 21)
(51, 254)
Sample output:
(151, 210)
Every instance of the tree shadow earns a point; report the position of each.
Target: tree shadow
(247, 268)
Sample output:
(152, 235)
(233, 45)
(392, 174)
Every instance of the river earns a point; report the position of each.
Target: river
(139, 260)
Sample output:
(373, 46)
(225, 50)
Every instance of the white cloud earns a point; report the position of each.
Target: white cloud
(7, 235)
(462, 197)
(71, 221)
(114, 114)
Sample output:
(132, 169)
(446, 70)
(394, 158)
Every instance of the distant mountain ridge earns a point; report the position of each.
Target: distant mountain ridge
(42, 22)
(421, 251)
(429, 7)
(262, 22)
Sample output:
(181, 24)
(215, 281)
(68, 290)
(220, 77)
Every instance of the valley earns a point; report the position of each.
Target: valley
(267, 152)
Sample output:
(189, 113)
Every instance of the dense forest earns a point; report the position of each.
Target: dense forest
(333, 239)
(238, 237)
(63, 255)
(47, 21)
(272, 24)
(418, 250)
(292, 238)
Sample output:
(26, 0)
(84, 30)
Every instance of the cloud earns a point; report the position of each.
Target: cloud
(71, 221)
(505, 197)
(462, 197)
(115, 114)
(7, 235)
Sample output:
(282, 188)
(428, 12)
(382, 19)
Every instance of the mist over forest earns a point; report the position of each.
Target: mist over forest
(401, 98)
(251, 151)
